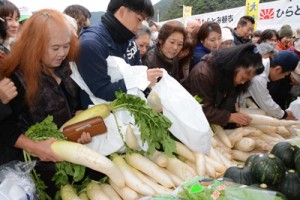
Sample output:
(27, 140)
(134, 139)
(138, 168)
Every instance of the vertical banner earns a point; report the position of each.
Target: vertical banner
(186, 12)
(252, 10)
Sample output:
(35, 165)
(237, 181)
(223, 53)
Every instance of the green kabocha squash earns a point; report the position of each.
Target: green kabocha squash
(250, 160)
(290, 186)
(297, 160)
(285, 151)
(240, 174)
(267, 168)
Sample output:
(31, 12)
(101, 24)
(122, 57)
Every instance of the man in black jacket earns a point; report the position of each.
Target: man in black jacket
(242, 33)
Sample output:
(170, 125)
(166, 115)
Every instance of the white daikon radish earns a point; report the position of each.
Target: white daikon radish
(159, 189)
(79, 154)
(245, 144)
(221, 134)
(109, 191)
(125, 192)
(94, 192)
(248, 111)
(180, 169)
(217, 166)
(264, 120)
(184, 151)
(159, 158)
(226, 161)
(283, 131)
(235, 135)
(212, 154)
(289, 122)
(240, 155)
(131, 179)
(265, 128)
(176, 180)
(214, 143)
(67, 192)
(150, 168)
(130, 138)
(210, 170)
(200, 163)
(83, 196)
(276, 135)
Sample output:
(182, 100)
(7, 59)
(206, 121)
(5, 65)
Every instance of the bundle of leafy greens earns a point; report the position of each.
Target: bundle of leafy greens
(43, 131)
(154, 126)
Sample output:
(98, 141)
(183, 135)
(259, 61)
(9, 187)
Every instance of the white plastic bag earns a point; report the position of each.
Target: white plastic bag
(295, 108)
(16, 182)
(189, 123)
(135, 78)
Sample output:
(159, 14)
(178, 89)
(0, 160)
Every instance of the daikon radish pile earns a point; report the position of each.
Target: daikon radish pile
(94, 192)
(82, 155)
(131, 179)
(148, 167)
(67, 192)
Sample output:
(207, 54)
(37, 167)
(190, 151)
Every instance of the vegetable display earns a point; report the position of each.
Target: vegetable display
(290, 186)
(240, 174)
(285, 151)
(152, 124)
(269, 169)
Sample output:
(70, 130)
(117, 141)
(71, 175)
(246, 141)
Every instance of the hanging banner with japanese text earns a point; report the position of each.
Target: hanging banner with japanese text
(271, 15)
(252, 10)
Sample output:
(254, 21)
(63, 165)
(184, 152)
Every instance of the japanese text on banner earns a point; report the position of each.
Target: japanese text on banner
(252, 10)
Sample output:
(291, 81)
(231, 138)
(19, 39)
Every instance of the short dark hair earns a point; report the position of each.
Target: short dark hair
(245, 19)
(206, 28)
(142, 7)
(267, 35)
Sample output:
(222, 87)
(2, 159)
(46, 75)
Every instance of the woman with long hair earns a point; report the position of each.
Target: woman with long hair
(220, 78)
(39, 67)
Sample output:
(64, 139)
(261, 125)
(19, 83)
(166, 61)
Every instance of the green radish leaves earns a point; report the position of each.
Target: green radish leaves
(154, 126)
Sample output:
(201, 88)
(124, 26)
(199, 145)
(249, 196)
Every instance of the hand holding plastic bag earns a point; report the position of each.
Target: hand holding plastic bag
(189, 123)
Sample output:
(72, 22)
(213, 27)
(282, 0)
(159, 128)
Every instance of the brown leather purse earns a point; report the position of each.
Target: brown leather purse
(94, 126)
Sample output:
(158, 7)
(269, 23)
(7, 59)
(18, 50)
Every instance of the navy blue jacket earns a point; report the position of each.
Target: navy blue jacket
(199, 52)
(96, 44)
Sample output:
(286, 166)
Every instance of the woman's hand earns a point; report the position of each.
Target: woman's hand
(8, 90)
(240, 119)
(153, 75)
(85, 138)
(40, 149)
(290, 115)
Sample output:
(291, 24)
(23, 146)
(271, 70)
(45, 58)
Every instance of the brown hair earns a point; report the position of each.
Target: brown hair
(7, 9)
(80, 13)
(206, 28)
(169, 28)
(32, 44)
